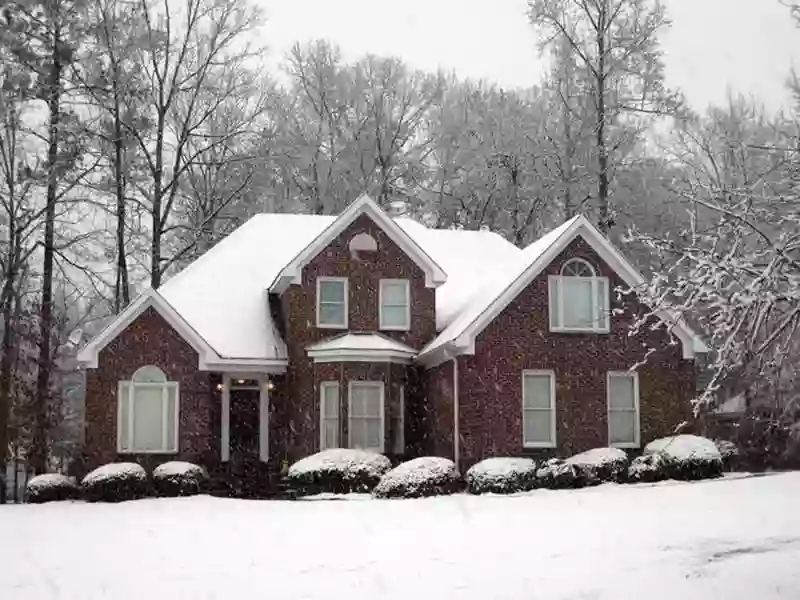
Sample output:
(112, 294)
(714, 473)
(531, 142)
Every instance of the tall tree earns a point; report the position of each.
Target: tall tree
(615, 44)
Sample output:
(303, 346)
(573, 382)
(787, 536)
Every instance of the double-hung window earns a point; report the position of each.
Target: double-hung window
(365, 415)
(538, 409)
(332, 302)
(329, 415)
(394, 309)
(579, 299)
(623, 409)
(147, 418)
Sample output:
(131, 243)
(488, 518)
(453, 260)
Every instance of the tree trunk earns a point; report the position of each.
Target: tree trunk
(122, 290)
(42, 401)
(604, 221)
(7, 312)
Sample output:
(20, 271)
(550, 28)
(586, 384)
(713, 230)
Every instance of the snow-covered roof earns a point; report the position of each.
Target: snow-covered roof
(221, 300)
(360, 346)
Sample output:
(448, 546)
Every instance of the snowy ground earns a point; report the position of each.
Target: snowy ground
(733, 539)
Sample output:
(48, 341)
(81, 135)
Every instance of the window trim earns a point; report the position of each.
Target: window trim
(323, 386)
(399, 441)
(343, 325)
(128, 434)
(367, 384)
(555, 280)
(578, 260)
(636, 407)
(407, 324)
(553, 428)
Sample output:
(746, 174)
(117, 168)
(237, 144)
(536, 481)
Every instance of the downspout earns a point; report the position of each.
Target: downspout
(456, 426)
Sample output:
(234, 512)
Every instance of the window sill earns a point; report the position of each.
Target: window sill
(135, 452)
(338, 326)
(625, 445)
(389, 328)
(534, 446)
(578, 330)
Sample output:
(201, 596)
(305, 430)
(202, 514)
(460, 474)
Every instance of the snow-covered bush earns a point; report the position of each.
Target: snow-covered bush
(728, 451)
(690, 456)
(649, 468)
(558, 474)
(338, 471)
(420, 477)
(601, 464)
(501, 476)
(178, 478)
(51, 487)
(115, 482)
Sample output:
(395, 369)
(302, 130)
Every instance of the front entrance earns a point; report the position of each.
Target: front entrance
(244, 423)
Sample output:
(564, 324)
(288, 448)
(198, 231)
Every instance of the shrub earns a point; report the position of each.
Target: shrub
(558, 474)
(728, 451)
(51, 487)
(178, 478)
(338, 471)
(420, 477)
(115, 482)
(690, 456)
(501, 476)
(650, 468)
(601, 464)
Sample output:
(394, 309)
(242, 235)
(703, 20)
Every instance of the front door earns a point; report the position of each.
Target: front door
(244, 424)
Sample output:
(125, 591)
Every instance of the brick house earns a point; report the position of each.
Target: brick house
(303, 332)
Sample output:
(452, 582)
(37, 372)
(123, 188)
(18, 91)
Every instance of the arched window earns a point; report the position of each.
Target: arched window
(147, 420)
(579, 299)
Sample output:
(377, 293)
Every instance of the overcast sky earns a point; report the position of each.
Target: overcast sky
(747, 45)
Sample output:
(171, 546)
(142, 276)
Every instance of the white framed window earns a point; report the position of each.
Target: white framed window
(329, 415)
(332, 302)
(623, 409)
(147, 417)
(398, 410)
(394, 304)
(365, 415)
(579, 299)
(538, 409)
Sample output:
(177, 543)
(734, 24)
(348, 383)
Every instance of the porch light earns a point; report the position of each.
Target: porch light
(219, 387)
(270, 386)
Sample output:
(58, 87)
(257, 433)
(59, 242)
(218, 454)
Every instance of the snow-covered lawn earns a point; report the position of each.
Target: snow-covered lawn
(732, 538)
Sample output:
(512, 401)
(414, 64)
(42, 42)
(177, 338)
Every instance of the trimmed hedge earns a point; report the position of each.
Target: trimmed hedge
(115, 482)
(689, 457)
(51, 487)
(649, 468)
(178, 478)
(558, 474)
(420, 477)
(501, 476)
(601, 465)
(338, 471)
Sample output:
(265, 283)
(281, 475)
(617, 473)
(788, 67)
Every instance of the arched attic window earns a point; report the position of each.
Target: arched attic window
(579, 300)
(147, 416)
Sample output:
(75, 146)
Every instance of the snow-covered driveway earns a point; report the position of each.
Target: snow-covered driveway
(732, 539)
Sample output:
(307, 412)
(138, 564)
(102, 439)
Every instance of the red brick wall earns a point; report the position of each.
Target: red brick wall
(490, 392)
(150, 340)
(439, 410)
(299, 307)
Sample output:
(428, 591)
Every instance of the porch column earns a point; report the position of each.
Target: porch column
(263, 420)
(225, 433)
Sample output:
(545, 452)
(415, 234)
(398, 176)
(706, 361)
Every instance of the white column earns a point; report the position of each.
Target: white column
(263, 419)
(225, 433)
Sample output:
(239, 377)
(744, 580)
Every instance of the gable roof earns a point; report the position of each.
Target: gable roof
(291, 273)
(459, 336)
(89, 354)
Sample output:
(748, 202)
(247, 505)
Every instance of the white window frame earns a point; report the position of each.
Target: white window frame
(407, 324)
(399, 440)
(129, 387)
(343, 325)
(367, 384)
(553, 430)
(597, 283)
(322, 418)
(637, 423)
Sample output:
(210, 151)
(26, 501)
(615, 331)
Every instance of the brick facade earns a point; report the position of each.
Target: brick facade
(150, 340)
(299, 309)
(490, 382)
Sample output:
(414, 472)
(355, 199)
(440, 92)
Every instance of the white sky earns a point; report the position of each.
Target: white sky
(746, 45)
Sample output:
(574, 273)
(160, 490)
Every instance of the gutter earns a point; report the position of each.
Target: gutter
(456, 406)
